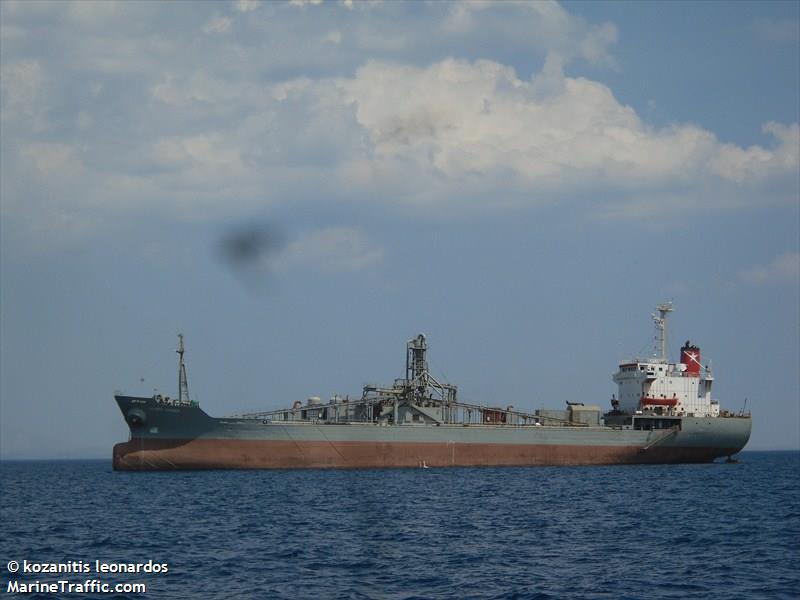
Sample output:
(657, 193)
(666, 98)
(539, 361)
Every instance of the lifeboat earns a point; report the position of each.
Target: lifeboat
(659, 401)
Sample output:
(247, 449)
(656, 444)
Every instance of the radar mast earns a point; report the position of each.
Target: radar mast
(660, 321)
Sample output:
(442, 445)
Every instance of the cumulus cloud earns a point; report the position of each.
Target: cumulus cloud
(457, 120)
(129, 121)
(424, 133)
(754, 163)
(454, 134)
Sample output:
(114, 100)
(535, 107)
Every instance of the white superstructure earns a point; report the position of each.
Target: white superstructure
(661, 387)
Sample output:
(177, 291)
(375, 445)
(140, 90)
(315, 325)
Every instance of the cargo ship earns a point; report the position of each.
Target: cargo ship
(663, 412)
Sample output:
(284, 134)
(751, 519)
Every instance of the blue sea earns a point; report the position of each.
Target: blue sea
(641, 532)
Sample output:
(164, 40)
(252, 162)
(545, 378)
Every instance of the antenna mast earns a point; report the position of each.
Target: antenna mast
(661, 330)
(183, 386)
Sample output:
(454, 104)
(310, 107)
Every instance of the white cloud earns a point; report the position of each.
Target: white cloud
(92, 14)
(781, 269)
(595, 46)
(334, 37)
(453, 134)
(457, 120)
(218, 24)
(754, 163)
(230, 125)
(22, 94)
(544, 25)
(200, 160)
(246, 5)
(448, 138)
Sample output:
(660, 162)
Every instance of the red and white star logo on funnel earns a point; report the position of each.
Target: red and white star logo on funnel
(693, 357)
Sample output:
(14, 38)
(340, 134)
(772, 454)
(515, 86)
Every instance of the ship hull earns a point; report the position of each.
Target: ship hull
(147, 455)
(168, 438)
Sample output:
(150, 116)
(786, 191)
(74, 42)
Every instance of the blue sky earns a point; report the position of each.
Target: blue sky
(523, 182)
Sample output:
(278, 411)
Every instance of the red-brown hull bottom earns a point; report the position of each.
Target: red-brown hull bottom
(151, 454)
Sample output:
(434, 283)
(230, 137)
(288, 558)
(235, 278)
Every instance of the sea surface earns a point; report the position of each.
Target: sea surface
(643, 532)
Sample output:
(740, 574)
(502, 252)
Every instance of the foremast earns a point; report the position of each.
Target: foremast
(183, 384)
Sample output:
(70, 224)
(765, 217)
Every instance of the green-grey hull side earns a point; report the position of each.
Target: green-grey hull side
(158, 429)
